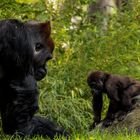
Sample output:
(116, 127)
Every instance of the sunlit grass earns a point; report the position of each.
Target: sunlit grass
(87, 136)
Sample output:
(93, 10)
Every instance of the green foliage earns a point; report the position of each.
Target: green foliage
(13, 9)
(116, 51)
(64, 94)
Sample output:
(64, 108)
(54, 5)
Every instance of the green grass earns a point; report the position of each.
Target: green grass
(64, 94)
(85, 136)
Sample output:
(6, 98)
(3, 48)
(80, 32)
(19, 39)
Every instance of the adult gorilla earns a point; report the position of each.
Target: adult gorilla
(18, 88)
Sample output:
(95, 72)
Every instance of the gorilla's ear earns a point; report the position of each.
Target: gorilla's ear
(46, 28)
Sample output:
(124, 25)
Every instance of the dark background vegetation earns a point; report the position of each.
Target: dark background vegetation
(64, 94)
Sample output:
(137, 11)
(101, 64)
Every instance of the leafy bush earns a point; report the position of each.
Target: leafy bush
(64, 94)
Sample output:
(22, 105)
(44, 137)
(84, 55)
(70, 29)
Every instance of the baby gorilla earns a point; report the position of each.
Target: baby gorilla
(120, 90)
(18, 75)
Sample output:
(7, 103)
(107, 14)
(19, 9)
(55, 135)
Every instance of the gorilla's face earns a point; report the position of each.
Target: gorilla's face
(95, 81)
(43, 47)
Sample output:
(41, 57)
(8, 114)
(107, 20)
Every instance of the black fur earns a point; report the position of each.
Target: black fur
(18, 86)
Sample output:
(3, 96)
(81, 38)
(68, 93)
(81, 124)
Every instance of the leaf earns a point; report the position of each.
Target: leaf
(27, 1)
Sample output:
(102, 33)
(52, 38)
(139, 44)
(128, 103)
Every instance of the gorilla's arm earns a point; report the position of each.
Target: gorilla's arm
(97, 104)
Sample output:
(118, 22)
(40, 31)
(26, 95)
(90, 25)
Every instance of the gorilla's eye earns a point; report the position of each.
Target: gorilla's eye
(38, 46)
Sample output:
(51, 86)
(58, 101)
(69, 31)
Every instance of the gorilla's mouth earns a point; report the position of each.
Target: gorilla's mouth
(40, 73)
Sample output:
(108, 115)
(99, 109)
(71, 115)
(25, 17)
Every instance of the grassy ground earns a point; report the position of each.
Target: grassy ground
(64, 94)
(93, 136)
